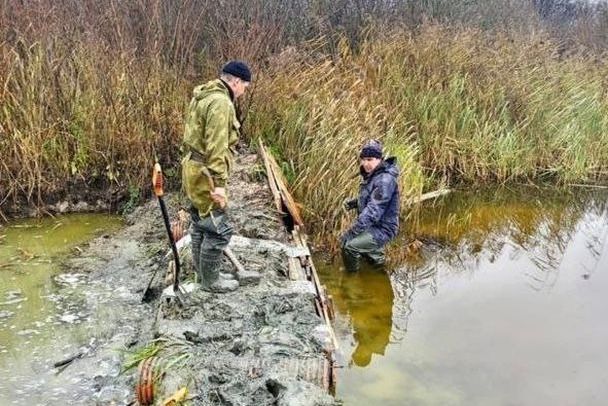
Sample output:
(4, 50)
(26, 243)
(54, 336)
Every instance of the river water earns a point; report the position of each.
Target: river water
(500, 300)
(504, 303)
(41, 317)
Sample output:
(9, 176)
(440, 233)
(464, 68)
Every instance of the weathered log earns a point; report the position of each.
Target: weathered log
(588, 186)
(427, 196)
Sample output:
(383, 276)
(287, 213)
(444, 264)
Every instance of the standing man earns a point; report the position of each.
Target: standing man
(378, 209)
(211, 134)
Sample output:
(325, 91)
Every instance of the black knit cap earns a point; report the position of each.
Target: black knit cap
(371, 149)
(238, 69)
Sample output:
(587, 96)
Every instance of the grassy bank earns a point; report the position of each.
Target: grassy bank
(92, 92)
(72, 121)
(456, 106)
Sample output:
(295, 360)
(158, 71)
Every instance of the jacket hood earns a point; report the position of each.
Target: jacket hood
(388, 165)
(214, 86)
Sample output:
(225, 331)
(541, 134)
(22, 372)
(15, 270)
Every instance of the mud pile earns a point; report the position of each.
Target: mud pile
(260, 345)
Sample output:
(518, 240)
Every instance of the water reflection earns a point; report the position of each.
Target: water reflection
(365, 299)
(498, 301)
(467, 229)
(368, 298)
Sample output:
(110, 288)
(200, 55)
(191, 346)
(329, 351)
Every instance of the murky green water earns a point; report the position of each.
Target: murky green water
(505, 305)
(33, 313)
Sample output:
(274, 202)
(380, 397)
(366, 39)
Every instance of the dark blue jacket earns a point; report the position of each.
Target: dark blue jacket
(378, 205)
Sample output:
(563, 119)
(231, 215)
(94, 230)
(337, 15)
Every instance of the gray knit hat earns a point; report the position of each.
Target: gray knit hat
(371, 149)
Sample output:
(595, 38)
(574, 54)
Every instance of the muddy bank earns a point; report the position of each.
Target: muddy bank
(74, 197)
(263, 344)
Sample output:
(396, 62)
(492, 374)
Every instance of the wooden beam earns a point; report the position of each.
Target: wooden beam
(272, 183)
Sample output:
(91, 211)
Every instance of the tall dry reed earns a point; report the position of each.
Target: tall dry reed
(93, 90)
(455, 105)
(72, 121)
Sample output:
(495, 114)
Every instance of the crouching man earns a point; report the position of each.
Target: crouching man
(377, 207)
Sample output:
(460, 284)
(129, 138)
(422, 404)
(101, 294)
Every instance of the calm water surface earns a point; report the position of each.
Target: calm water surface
(505, 304)
(39, 324)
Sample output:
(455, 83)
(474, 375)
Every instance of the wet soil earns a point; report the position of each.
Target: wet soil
(74, 197)
(260, 345)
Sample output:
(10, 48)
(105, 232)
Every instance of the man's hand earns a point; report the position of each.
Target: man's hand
(350, 204)
(218, 195)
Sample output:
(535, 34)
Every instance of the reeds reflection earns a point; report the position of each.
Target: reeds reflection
(499, 290)
(466, 228)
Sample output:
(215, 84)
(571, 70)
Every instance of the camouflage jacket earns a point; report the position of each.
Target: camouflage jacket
(211, 134)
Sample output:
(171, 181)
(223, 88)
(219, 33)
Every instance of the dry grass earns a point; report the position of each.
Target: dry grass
(93, 91)
(454, 105)
(69, 118)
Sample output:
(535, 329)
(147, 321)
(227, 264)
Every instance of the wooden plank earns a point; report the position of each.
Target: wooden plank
(301, 266)
(329, 327)
(286, 197)
(296, 273)
(319, 307)
(295, 234)
(315, 279)
(276, 195)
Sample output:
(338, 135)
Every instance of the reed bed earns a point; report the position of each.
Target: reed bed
(94, 91)
(322, 115)
(74, 122)
(456, 106)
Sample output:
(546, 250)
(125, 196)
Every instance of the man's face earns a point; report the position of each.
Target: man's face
(369, 164)
(238, 87)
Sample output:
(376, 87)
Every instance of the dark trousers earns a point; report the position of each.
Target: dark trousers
(362, 245)
(210, 235)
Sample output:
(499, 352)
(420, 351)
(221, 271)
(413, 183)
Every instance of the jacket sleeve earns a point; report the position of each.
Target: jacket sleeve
(217, 134)
(378, 202)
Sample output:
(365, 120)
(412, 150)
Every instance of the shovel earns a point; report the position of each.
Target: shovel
(157, 183)
(227, 251)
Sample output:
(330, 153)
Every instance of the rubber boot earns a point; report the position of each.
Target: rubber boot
(212, 282)
(376, 258)
(196, 241)
(379, 266)
(226, 272)
(351, 262)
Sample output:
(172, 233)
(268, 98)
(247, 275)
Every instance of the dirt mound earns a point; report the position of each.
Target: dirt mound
(260, 345)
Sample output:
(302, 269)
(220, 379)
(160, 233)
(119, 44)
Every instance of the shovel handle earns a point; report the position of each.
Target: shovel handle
(157, 180)
(157, 183)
